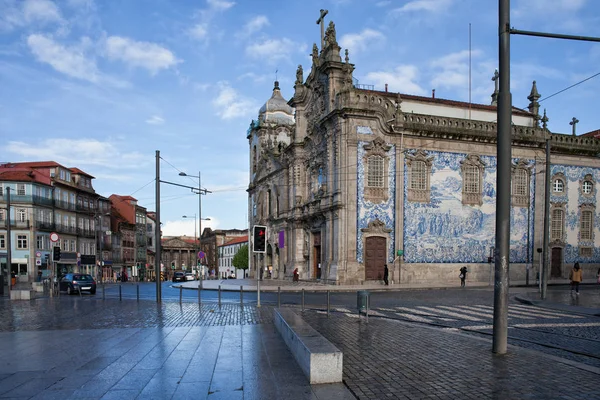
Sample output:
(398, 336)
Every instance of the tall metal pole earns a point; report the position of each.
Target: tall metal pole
(158, 256)
(544, 271)
(500, 330)
(8, 242)
(200, 221)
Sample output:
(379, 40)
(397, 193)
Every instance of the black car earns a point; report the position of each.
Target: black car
(178, 277)
(74, 283)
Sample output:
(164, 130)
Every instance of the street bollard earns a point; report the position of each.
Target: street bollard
(103, 294)
(200, 292)
(242, 296)
(120, 294)
(302, 300)
(180, 293)
(138, 291)
(258, 293)
(278, 296)
(78, 288)
(328, 303)
(219, 296)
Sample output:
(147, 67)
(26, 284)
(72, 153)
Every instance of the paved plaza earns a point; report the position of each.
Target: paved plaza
(87, 347)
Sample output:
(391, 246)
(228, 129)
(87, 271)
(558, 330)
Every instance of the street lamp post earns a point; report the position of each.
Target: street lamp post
(200, 193)
(195, 235)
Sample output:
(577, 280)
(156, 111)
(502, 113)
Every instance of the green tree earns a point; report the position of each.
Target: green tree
(240, 260)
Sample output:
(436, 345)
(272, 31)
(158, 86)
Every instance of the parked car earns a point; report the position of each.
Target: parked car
(190, 277)
(178, 276)
(74, 283)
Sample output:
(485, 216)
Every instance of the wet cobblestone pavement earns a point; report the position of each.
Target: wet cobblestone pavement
(90, 313)
(393, 359)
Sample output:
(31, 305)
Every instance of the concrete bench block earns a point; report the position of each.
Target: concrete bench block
(318, 358)
(19, 294)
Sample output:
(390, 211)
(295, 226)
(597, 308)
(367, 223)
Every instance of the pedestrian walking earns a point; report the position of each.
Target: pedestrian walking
(463, 276)
(576, 276)
(296, 275)
(386, 273)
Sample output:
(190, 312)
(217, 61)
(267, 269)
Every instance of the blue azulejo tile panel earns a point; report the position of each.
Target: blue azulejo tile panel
(446, 231)
(573, 198)
(368, 211)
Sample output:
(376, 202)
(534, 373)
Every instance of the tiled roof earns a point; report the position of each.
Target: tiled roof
(436, 100)
(595, 134)
(23, 174)
(236, 240)
(80, 172)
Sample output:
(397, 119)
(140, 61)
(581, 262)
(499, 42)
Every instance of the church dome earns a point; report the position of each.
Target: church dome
(276, 109)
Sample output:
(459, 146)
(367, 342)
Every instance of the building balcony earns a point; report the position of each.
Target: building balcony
(65, 205)
(85, 232)
(45, 226)
(60, 228)
(15, 224)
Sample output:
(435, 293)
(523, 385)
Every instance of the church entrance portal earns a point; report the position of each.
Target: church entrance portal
(375, 257)
(556, 263)
(317, 255)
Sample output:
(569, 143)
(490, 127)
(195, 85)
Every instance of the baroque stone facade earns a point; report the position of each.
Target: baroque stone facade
(344, 177)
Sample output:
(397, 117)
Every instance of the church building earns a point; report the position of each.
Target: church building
(347, 179)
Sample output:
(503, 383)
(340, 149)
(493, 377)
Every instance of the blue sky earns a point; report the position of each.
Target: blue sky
(102, 85)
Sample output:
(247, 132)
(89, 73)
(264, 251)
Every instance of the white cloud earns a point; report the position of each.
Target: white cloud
(16, 14)
(230, 104)
(360, 41)
(80, 152)
(187, 227)
(401, 79)
(220, 5)
(199, 31)
(425, 5)
(140, 54)
(256, 24)
(69, 61)
(155, 120)
(452, 70)
(42, 11)
(271, 50)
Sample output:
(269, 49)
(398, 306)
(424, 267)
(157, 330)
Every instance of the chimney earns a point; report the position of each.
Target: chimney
(433, 93)
(386, 87)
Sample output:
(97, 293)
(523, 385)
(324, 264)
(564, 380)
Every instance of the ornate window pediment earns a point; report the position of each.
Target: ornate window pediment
(376, 162)
(419, 173)
(472, 173)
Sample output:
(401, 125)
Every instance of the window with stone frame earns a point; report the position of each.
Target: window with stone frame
(586, 251)
(376, 161)
(558, 183)
(557, 225)
(22, 242)
(521, 173)
(2, 241)
(587, 186)
(586, 222)
(472, 174)
(419, 173)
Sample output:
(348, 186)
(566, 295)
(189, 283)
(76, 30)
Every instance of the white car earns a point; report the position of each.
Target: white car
(189, 277)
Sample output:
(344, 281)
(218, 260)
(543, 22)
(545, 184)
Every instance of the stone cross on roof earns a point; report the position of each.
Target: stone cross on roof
(495, 79)
(321, 21)
(573, 123)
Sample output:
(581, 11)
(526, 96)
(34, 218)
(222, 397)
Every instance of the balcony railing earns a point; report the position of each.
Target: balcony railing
(85, 232)
(45, 226)
(64, 205)
(65, 229)
(15, 224)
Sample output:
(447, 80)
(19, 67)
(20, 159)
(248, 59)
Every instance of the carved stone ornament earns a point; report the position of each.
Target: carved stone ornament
(378, 147)
(376, 227)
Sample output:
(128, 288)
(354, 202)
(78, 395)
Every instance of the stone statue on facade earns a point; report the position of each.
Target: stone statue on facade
(299, 75)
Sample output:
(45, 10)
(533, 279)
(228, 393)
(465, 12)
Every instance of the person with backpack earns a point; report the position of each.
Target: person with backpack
(463, 276)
